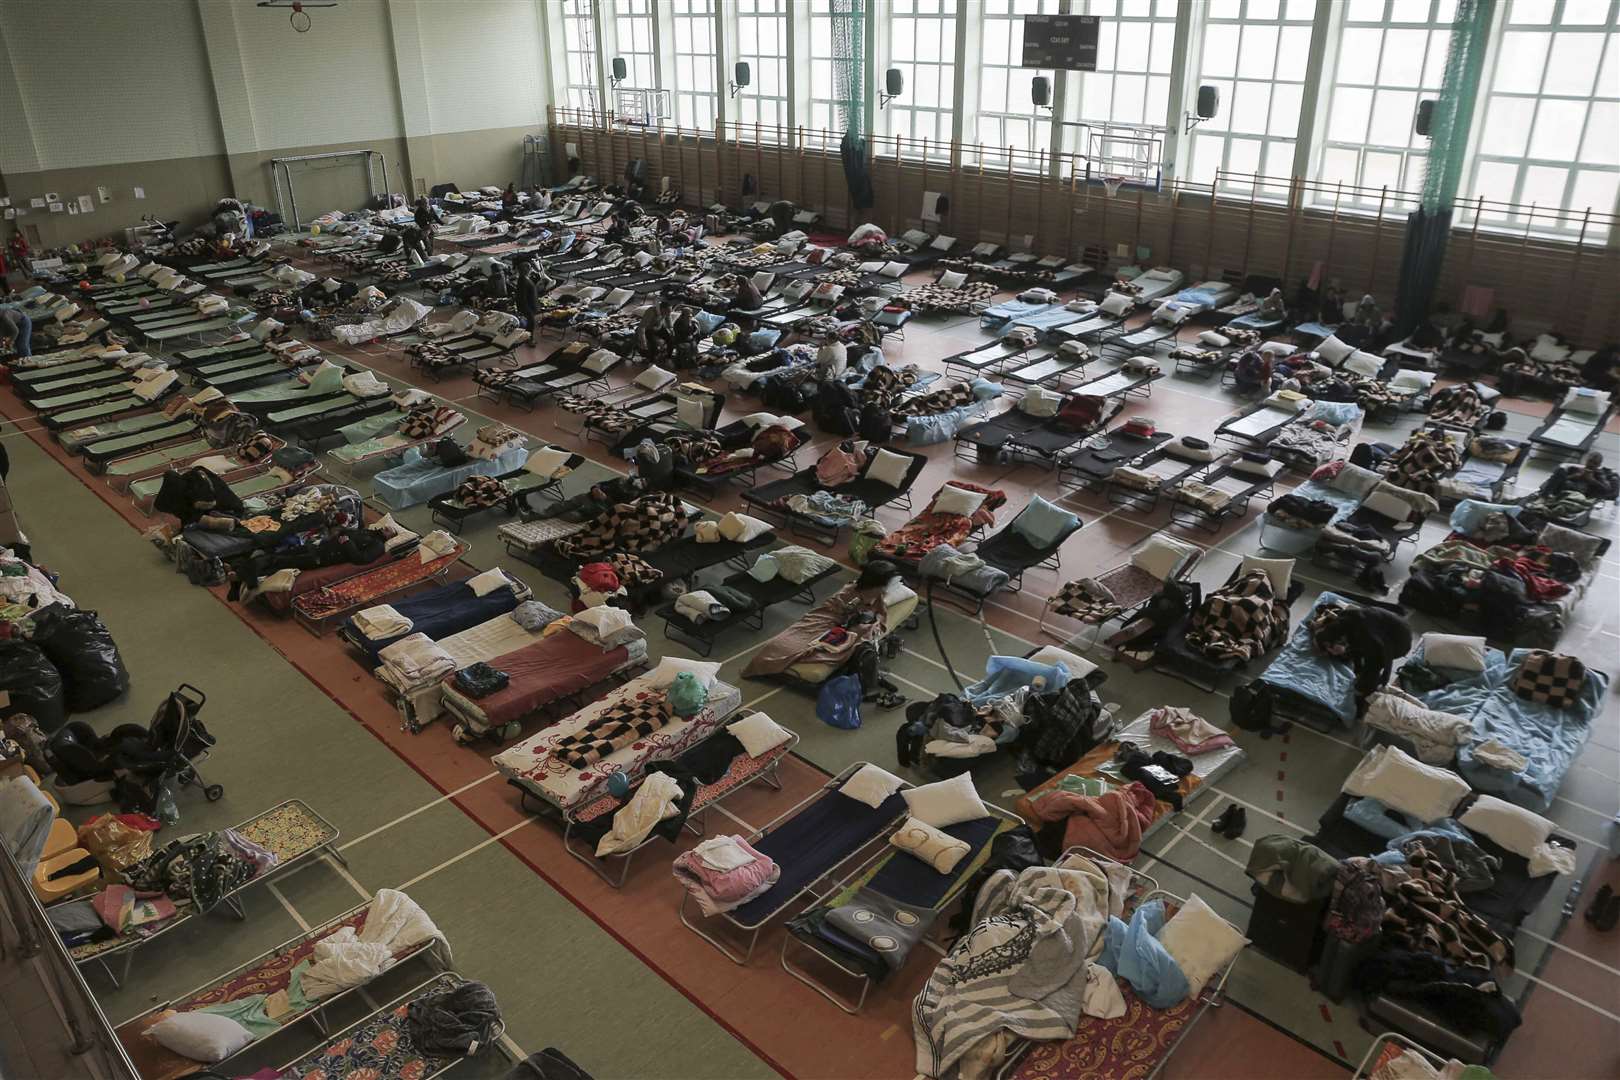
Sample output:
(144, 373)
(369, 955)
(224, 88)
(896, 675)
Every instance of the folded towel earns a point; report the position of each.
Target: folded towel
(417, 658)
(381, 621)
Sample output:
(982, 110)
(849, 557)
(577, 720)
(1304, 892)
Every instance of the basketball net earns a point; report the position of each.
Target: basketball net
(1112, 184)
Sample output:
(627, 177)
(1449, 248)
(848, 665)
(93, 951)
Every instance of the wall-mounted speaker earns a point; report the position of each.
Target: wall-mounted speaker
(1425, 117)
(743, 75)
(1040, 91)
(894, 81)
(621, 70)
(1209, 101)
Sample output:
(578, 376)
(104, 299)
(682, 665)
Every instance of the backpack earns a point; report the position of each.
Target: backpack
(783, 396)
(839, 703)
(876, 424)
(1251, 706)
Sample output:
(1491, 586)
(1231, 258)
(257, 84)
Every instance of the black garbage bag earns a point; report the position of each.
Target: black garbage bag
(83, 650)
(31, 684)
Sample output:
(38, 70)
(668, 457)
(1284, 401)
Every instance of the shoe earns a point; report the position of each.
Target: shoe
(1595, 910)
(1239, 822)
(1224, 821)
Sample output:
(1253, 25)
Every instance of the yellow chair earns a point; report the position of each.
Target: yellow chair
(62, 837)
(49, 891)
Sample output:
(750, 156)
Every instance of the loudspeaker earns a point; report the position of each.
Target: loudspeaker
(1425, 116)
(1209, 101)
(894, 82)
(1040, 90)
(742, 76)
(621, 70)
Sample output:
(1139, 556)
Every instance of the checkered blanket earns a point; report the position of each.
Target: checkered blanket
(608, 419)
(481, 491)
(938, 299)
(1459, 405)
(937, 401)
(1241, 620)
(429, 355)
(615, 728)
(1426, 458)
(644, 525)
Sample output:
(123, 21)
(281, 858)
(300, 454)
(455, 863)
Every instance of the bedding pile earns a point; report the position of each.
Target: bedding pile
(1241, 620)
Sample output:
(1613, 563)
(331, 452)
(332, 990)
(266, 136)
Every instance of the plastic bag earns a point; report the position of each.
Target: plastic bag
(864, 535)
(31, 684)
(83, 650)
(115, 845)
(839, 703)
(166, 808)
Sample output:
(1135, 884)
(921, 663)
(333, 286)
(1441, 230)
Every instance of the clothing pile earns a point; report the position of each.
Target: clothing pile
(724, 873)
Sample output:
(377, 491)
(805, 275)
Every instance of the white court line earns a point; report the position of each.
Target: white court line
(287, 906)
(446, 797)
(480, 846)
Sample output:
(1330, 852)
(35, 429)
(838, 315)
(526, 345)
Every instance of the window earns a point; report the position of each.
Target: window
(579, 55)
(1391, 54)
(696, 100)
(1254, 52)
(1550, 130)
(1007, 116)
(762, 44)
(830, 98)
(1132, 82)
(922, 45)
(633, 40)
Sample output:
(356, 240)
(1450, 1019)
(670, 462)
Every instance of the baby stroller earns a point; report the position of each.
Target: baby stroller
(136, 763)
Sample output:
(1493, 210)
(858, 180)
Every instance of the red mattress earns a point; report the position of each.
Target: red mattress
(1129, 1047)
(551, 668)
(310, 580)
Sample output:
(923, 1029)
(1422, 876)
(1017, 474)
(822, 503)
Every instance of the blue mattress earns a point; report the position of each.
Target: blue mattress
(1005, 675)
(438, 613)
(1008, 310)
(1301, 672)
(1051, 319)
(416, 480)
(1255, 321)
(1551, 738)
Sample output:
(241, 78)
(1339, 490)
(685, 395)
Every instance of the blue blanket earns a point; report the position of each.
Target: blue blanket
(1004, 675)
(1303, 671)
(417, 479)
(438, 613)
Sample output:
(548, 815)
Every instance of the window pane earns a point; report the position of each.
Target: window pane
(1557, 131)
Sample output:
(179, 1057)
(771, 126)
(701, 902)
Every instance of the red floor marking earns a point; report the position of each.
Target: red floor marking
(1282, 755)
(1327, 1016)
(1279, 795)
(1286, 738)
(1281, 776)
(1338, 1048)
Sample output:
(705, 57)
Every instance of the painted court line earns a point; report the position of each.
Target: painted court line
(446, 797)
(480, 846)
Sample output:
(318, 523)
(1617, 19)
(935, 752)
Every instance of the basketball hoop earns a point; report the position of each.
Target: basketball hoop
(1112, 184)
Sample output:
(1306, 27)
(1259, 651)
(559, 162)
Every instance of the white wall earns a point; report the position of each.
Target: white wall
(94, 83)
(486, 67)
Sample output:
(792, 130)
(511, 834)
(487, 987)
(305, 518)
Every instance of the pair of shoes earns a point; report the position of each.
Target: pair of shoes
(1604, 910)
(1231, 822)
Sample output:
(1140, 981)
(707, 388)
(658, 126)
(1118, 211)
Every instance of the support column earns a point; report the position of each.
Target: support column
(422, 166)
(236, 120)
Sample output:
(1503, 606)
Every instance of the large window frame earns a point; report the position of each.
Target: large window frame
(581, 87)
(695, 51)
(1003, 113)
(1256, 53)
(920, 41)
(1547, 125)
(760, 33)
(635, 41)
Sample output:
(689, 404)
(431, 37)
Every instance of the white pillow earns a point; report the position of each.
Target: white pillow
(1213, 339)
(952, 279)
(1510, 827)
(871, 785)
(546, 460)
(1116, 304)
(758, 733)
(1403, 783)
(948, 802)
(762, 420)
(1457, 651)
(894, 269)
(939, 850)
(1547, 350)
(1078, 666)
(1583, 399)
(1408, 378)
(1389, 504)
(1161, 555)
(1280, 571)
(663, 676)
(958, 500)
(1256, 468)
(605, 619)
(1332, 351)
(599, 361)
(1363, 363)
(889, 468)
(1200, 942)
(1179, 449)
(1354, 480)
(741, 528)
(201, 1036)
(487, 582)
(654, 377)
(1039, 401)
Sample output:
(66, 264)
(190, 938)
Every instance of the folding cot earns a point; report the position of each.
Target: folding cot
(103, 410)
(707, 478)
(98, 453)
(1224, 492)
(921, 251)
(153, 303)
(390, 444)
(1258, 424)
(437, 612)
(230, 365)
(1128, 380)
(73, 439)
(1047, 368)
(1010, 551)
(1047, 443)
(42, 381)
(775, 498)
(235, 346)
(294, 832)
(743, 772)
(808, 842)
(1489, 470)
(762, 594)
(316, 608)
(887, 876)
(933, 527)
(1094, 461)
(271, 973)
(231, 381)
(419, 477)
(1309, 685)
(1157, 282)
(123, 471)
(1143, 340)
(1140, 484)
(1345, 491)
(521, 485)
(185, 330)
(1570, 429)
(154, 387)
(419, 695)
(552, 785)
(246, 480)
(1126, 587)
(801, 655)
(354, 1052)
(590, 375)
(311, 418)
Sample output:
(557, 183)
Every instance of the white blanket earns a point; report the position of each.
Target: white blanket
(417, 657)
(393, 924)
(653, 801)
(381, 621)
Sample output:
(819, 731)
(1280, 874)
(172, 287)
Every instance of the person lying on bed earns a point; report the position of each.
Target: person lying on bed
(831, 632)
(1589, 478)
(598, 499)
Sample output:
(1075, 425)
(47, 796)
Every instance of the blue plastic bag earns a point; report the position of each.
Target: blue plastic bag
(839, 703)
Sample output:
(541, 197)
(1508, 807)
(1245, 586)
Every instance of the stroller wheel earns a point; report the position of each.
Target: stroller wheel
(214, 792)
